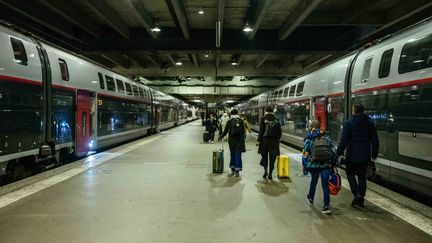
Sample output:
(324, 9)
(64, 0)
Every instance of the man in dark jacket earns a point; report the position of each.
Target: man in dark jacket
(359, 138)
(211, 126)
(268, 141)
(236, 140)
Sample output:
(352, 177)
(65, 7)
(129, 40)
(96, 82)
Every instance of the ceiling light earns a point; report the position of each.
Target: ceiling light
(206, 55)
(156, 28)
(178, 63)
(189, 78)
(247, 28)
(234, 63)
(201, 11)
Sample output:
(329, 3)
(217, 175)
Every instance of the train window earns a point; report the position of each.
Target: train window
(84, 123)
(142, 94)
(120, 86)
(19, 51)
(416, 55)
(135, 90)
(110, 83)
(292, 91)
(101, 81)
(128, 89)
(384, 69)
(285, 92)
(64, 69)
(366, 70)
(300, 87)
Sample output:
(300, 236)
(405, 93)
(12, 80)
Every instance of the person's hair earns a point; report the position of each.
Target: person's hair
(316, 124)
(358, 109)
(269, 109)
(234, 112)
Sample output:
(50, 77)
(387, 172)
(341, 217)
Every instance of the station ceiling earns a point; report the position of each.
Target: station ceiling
(288, 37)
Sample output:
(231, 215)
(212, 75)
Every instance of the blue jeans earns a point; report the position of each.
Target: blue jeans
(325, 173)
(236, 163)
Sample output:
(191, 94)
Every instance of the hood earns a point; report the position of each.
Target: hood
(361, 120)
(235, 116)
(225, 114)
(269, 116)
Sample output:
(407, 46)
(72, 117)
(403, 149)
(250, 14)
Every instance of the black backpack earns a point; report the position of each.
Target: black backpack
(237, 127)
(321, 150)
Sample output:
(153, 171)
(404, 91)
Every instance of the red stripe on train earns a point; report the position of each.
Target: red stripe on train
(393, 86)
(21, 80)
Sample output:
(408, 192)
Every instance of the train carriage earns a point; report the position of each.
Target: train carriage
(393, 80)
(54, 103)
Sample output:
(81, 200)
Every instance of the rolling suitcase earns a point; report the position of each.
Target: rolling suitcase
(206, 136)
(218, 160)
(283, 166)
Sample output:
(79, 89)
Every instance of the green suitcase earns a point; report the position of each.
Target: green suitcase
(218, 160)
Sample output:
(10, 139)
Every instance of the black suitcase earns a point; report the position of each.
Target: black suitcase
(218, 160)
(206, 136)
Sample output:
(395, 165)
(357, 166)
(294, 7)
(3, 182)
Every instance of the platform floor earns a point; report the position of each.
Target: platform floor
(164, 191)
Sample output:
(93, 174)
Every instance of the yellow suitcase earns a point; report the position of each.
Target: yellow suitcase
(283, 166)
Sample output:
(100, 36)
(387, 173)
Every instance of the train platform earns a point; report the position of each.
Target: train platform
(161, 189)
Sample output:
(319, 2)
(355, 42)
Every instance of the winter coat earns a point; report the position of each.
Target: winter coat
(211, 125)
(236, 143)
(360, 139)
(308, 155)
(246, 125)
(269, 140)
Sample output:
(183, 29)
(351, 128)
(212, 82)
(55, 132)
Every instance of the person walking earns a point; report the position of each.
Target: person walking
(319, 156)
(236, 140)
(246, 124)
(223, 121)
(268, 142)
(360, 139)
(211, 127)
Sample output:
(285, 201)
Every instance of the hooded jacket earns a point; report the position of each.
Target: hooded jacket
(269, 134)
(360, 139)
(236, 143)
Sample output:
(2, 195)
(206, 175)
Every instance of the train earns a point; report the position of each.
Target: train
(56, 104)
(392, 78)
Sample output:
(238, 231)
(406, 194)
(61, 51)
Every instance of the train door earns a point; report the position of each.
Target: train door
(320, 113)
(83, 122)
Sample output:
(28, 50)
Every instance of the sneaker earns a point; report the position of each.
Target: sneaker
(309, 200)
(237, 174)
(326, 210)
(270, 177)
(232, 174)
(355, 202)
(361, 202)
(265, 175)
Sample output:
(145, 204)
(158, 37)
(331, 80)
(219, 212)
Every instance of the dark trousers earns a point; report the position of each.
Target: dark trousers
(212, 134)
(316, 173)
(358, 187)
(268, 161)
(236, 163)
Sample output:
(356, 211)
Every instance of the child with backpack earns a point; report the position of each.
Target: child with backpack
(319, 156)
(236, 140)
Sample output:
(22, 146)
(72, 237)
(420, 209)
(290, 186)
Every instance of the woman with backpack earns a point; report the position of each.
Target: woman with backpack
(236, 140)
(268, 141)
(319, 156)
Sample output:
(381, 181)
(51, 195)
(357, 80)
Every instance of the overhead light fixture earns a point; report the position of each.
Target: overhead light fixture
(189, 78)
(201, 11)
(247, 28)
(156, 28)
(178, 63)
(234, 63)
(206, 55)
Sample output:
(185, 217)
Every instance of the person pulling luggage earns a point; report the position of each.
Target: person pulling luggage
(268, 141)
(319, 156)
(236, 141)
